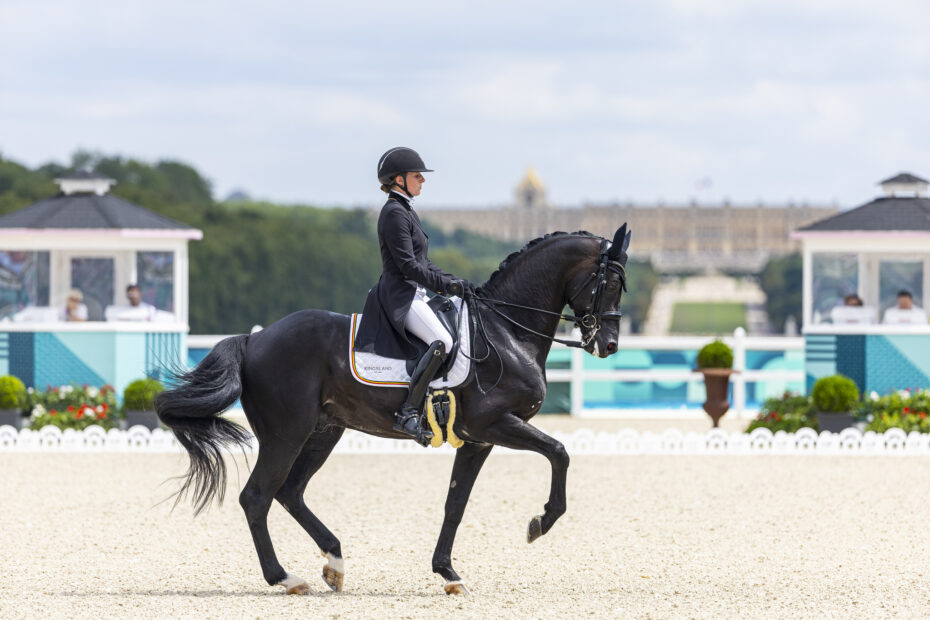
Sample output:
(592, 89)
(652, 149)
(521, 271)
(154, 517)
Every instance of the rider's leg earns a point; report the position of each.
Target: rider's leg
(421, 321)
(423, 324)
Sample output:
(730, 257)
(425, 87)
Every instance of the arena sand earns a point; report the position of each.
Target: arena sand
(83, 536)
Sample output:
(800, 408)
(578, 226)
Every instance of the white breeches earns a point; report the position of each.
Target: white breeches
(422, 322)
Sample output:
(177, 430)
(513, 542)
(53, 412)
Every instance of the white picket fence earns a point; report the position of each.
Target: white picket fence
(851, 441)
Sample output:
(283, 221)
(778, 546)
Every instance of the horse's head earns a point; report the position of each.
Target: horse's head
(595, 299)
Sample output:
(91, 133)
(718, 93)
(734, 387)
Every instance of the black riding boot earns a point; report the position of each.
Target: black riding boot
(407, 420)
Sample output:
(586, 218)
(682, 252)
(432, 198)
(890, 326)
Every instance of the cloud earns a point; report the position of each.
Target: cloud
(609, 99)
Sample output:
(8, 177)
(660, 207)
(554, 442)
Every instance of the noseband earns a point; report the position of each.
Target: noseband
(591, 321)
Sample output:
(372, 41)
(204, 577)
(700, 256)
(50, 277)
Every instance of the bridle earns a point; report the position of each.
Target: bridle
(592, 320)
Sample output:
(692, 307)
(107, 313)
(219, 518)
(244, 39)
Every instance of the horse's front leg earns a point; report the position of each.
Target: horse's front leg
(513, 432)
(468, 461)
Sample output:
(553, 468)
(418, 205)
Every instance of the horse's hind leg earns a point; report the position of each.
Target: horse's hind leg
(291, 496)
(274, 461)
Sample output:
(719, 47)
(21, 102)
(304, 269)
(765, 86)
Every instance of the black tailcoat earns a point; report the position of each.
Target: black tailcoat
(404, 266)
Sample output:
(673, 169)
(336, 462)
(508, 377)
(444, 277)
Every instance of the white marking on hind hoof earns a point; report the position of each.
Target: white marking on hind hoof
(294, 585)
(334, 572)
(456, 587)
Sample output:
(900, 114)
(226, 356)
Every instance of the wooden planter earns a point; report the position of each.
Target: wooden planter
(716, 383)
(835, 422)
(11, 417)
(148, 419)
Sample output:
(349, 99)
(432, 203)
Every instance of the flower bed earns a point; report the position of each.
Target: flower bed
(789, 413)
(908, 410)
(905, 409)
(71, 406)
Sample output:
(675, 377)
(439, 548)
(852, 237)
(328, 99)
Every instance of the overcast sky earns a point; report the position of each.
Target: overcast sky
(295, 101)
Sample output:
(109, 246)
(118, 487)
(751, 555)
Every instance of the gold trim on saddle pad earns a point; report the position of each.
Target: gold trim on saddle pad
(437, 439)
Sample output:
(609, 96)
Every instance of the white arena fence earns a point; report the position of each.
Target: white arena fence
(582, 442)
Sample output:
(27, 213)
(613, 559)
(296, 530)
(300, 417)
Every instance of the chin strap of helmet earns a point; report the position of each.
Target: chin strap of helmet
(403, 177)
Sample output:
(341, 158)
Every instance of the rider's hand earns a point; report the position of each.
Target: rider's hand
(458, 287)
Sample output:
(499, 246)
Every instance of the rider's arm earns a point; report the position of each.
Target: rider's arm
(396, 231)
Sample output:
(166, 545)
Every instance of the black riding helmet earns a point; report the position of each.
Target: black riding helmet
(399, 160)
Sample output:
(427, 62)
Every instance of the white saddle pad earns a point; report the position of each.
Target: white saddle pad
(372, 369)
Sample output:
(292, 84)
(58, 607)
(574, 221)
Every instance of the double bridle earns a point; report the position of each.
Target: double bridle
(591, 321)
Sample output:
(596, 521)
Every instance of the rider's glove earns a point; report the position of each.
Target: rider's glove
(458, 287)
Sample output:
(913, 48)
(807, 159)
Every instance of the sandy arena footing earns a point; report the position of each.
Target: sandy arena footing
(83, 535)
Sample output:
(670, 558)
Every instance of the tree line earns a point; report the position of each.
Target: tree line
(260, 261)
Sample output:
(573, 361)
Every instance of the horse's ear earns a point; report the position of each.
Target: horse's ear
(617, 246)
(626, 241)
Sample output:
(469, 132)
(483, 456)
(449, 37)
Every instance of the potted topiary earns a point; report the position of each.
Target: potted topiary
(835, 399)
(715, 362)
(139, 403)
(12, 401)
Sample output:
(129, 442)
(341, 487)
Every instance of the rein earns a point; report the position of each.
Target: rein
(590, 321)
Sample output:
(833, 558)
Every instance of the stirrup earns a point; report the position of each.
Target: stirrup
(402, 423)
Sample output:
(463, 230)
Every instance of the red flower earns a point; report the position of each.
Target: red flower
(70, 408)
(923, 414)
(84, 386)
(53, 413)
(105, 407)
(79, 414)
(777, 417)
(101, 415)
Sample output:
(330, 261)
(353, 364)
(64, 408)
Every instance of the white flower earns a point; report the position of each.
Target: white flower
(66, 389)
(873, 395)
(30, 391)
(904, 393)
(99, 408)
(37, 411)
(870, 417)
(92, 392)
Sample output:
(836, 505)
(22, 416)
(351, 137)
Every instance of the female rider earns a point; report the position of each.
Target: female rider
(397, 303)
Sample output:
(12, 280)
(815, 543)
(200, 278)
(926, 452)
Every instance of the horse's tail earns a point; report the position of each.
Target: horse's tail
(191, 408)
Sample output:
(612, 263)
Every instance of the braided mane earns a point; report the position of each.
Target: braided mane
(513, 256)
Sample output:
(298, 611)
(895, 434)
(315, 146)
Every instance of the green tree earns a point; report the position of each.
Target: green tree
(781, 279)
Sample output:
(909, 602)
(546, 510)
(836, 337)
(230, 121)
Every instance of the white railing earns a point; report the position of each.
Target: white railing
(576, 374)
(582, 442)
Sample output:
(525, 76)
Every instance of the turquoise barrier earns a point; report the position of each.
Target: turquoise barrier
(655, 376)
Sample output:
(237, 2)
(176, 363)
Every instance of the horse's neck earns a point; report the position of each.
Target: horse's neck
(538, 280)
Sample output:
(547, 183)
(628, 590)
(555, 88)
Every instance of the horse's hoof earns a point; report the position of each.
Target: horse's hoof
(333, 578)
(301, 588)
(456, 587)
(334, 572)
(535, 529)
(295, 585)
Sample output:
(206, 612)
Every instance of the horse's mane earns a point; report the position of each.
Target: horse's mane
(514, 255)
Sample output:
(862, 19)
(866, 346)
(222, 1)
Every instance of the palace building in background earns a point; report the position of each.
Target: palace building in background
(677, 238)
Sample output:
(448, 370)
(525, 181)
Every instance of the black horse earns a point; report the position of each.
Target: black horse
(295, 386)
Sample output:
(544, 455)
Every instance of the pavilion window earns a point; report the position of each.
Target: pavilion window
(94, 277)
(894, 276)
(834, 277)
(24, 280)
(156, 278)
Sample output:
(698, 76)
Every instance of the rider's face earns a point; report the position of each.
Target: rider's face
(415, 182)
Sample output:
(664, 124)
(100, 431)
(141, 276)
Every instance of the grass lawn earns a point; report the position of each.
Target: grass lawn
(707, 317)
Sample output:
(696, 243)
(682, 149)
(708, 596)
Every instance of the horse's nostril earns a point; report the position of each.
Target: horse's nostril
(611, 346)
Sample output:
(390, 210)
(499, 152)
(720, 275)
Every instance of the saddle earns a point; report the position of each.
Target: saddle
(448, 315)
